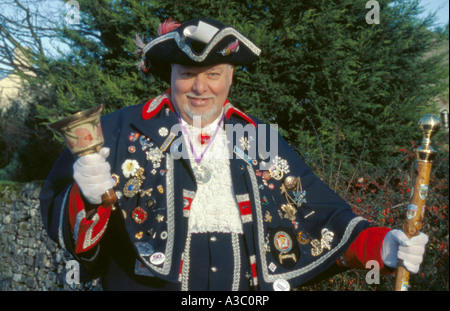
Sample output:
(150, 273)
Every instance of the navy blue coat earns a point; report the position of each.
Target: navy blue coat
(295, 228)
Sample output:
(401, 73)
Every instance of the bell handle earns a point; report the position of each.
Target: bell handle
(109, 197)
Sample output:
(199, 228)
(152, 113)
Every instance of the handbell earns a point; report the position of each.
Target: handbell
(83, 135)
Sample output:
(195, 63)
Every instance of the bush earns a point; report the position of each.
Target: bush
(381, 195)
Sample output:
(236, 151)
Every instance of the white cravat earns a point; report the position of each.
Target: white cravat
(214, 207)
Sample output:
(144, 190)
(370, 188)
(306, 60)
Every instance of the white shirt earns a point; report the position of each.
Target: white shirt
(214, 207)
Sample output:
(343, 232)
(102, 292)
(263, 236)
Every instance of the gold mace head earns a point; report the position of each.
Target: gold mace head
(429, 125)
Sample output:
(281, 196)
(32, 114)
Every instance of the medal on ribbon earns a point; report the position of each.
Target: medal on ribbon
(201, 173)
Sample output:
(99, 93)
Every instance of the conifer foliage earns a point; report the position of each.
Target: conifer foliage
(332, 82)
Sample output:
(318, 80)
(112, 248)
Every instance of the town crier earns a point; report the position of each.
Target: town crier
(208, 197)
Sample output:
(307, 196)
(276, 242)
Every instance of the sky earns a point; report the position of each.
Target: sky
(439, 6)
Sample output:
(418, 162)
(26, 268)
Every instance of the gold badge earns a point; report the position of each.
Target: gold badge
(160, 189)
(303, 237)
(283, 243)
(132, 187)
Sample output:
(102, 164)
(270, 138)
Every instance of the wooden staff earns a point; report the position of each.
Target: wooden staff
(429, 124)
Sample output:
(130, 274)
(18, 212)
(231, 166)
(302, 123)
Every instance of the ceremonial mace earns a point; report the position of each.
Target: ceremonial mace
(429, 124)
(83, 135)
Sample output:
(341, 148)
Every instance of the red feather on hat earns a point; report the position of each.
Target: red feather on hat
(167, 25)
(163, 28)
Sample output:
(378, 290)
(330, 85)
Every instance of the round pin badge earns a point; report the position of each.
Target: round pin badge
(163, 131)
(144, 248)
(283, 247)
(281, 285)
(151, 203)
(303, 237)
(282, 242)
(157, 258)
(266, 175)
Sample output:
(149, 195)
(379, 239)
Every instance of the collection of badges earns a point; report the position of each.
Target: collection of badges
(281, 241)
(135, 176)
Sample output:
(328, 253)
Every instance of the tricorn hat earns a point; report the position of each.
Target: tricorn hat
(198, 42)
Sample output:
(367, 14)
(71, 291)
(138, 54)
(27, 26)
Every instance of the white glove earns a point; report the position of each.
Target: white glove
(93, 175)
(396, 245)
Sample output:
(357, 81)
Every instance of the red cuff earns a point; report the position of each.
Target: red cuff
(367, 246)
(86, 233)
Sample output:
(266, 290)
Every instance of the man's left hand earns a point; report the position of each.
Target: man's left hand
(396, 245)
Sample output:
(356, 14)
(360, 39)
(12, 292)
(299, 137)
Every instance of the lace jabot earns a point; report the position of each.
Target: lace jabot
(214, 207)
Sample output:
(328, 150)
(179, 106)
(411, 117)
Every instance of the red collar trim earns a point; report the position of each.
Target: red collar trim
(230, 110)
(153, 106)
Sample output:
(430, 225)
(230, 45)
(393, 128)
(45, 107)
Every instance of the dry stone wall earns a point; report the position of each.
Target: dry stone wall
(29, 259)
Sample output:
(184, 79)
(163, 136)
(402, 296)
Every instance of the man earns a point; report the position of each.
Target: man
(209, 198)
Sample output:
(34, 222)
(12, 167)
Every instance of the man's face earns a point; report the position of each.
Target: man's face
(200, 91)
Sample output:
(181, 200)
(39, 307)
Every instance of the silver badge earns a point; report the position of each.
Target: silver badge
(324, 243)
(202, 174)
(412, 211)
(163, 131)
(423, 192)
(155, 155)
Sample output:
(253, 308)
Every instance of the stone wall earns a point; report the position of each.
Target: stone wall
(29, 259)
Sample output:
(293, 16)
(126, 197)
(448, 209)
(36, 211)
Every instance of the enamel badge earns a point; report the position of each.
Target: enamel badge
(284, 247)
(139, 215)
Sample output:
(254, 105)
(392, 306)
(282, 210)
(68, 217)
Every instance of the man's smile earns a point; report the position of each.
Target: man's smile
(199, 101)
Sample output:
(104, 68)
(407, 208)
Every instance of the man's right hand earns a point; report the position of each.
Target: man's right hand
(92, 173)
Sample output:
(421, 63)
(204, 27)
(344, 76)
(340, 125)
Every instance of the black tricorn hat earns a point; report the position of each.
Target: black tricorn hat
(198, 42)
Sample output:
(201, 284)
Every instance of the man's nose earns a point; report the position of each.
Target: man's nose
(200, 85)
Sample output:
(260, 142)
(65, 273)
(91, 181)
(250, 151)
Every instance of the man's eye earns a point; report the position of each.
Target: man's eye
(214, 74)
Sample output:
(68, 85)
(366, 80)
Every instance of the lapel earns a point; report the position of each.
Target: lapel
(239, 157)
(242, 184)
(164, 121)
(154, 128)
